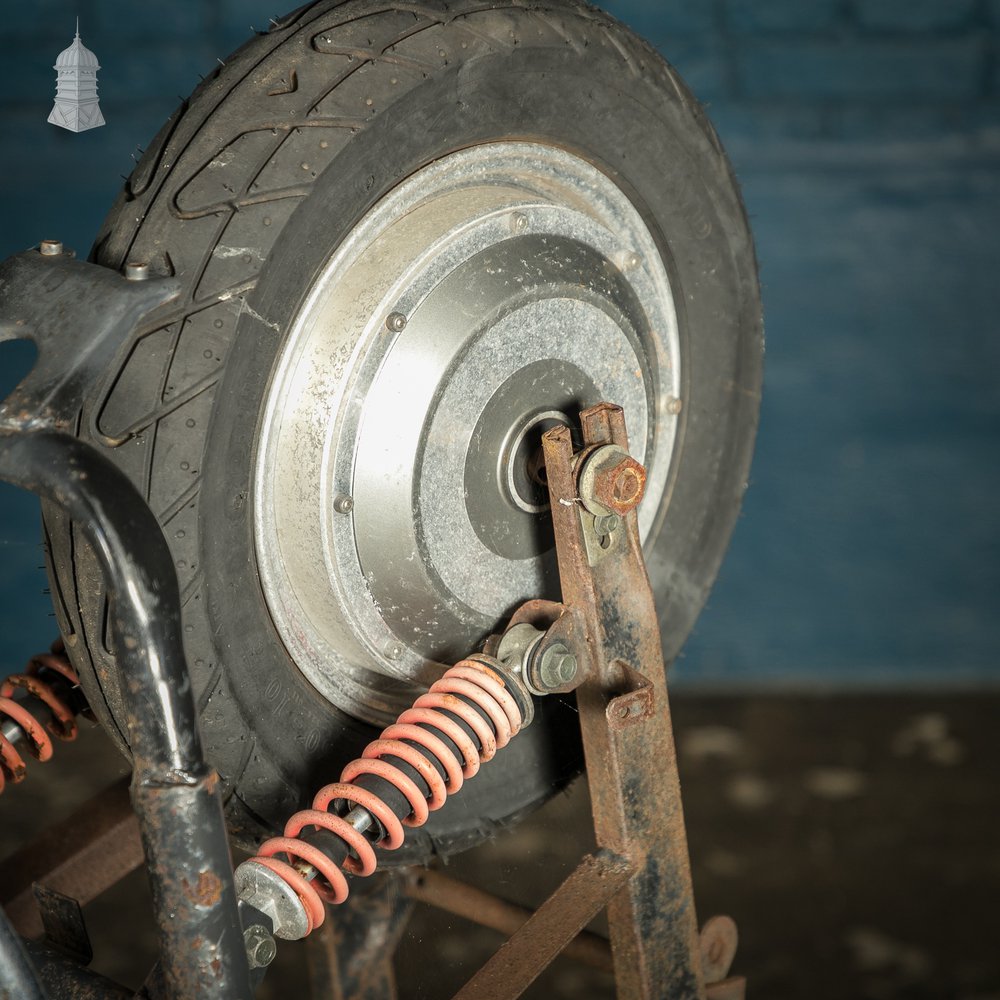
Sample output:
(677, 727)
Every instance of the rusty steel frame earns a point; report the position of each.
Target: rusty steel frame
(627, 734)
(484, 908)
(641, 871)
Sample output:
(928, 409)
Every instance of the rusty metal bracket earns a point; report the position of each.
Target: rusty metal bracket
(627, 734)
(641, 871)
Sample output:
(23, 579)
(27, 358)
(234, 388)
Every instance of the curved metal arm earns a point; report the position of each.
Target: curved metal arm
(175, 794)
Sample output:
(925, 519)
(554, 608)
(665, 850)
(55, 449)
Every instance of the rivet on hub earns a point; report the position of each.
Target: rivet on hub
(396, 322)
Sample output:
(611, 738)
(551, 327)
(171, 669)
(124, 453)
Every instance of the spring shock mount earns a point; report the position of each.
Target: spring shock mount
(471, 712)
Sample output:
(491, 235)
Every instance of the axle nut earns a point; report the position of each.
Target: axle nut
(611, 481)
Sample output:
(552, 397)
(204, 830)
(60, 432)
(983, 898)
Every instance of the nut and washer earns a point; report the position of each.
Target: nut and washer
(268, 892)
(260, 946)
(50, 248)
(610, 481)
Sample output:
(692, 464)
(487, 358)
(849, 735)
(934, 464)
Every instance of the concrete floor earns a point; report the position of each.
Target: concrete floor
(852, 838)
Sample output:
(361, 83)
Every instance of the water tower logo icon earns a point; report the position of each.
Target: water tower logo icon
(76, 106)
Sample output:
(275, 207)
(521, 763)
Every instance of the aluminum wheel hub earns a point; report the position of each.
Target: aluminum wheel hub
(400, 507)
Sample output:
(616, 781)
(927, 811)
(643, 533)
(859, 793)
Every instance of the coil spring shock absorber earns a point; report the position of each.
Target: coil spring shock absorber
(18, 718)
(472, 711)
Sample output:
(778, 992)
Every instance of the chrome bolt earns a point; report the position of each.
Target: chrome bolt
(518, 222)
(396, 322)
(343, 504)
(50, 248)
(557, 667)
(137, 270)
(260, 946)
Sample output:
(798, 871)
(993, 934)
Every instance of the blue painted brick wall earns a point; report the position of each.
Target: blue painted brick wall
(866, 134)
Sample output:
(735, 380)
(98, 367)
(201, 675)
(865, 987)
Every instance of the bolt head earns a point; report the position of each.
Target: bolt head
(557, 667)
(260, 945)
(620, 487)
(50, 248)
(396, 322)
(343, 504)
(518, 222)
(675, 405)
(607, 523)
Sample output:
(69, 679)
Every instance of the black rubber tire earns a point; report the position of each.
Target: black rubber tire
(279, 154)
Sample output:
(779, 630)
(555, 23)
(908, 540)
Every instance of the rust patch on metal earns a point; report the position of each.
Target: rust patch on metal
(206, 891)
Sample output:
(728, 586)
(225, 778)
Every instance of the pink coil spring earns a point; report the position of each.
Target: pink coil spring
(476, 683)
(63, 724)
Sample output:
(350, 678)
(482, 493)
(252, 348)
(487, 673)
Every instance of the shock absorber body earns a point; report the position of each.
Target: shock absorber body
(471, 712)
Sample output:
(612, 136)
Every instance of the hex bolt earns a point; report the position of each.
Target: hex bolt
(610, 481)
(396, 322)
(261, 947)
(137, 270)
(50, 248)
(557, 667)
(343, 504)
(620, 487)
